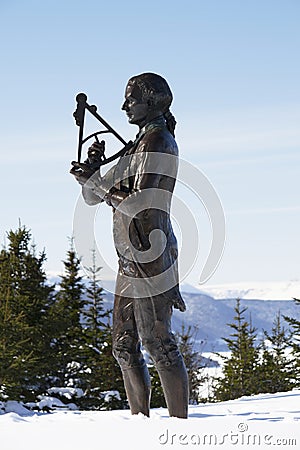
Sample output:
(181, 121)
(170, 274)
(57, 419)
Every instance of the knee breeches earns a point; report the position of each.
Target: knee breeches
(146, 321)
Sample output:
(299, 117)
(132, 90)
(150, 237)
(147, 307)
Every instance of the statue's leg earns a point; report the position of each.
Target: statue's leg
(153, 319)
(174, 382)
(137, 386)
(127, 351)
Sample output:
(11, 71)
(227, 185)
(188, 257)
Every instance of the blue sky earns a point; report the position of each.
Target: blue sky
(234, 70)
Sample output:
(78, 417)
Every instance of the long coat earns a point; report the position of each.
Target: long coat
(146, 174)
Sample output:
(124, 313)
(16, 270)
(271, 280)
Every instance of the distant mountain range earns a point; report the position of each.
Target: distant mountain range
(279, 290)
(212, 308)
(211, 317)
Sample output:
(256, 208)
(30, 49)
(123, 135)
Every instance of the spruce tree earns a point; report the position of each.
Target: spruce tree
(112, 379)
(94, 315)
(68, 339)
(25, 301)
(192, 359)
(101, 373)
(240, 370)
(295, 343)
(157, 393)
(275, 366)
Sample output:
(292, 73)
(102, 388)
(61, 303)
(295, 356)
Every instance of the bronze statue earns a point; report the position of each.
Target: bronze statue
(142, 312)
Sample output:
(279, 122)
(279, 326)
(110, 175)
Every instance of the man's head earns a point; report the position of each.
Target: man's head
(147, 96)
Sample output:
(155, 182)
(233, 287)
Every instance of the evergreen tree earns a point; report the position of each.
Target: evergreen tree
(68, 339)
(240, 371)
(25, 301)
(94, 315)
(112, 379)
(101, 373)
(192, 359)
(157, 393)
(295, 343)
(275, 367)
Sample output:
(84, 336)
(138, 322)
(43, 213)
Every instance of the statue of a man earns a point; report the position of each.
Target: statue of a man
(142, 313)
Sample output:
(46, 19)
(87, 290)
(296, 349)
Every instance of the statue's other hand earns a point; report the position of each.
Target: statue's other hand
(81, 171)
(96, 149)
(179, 304)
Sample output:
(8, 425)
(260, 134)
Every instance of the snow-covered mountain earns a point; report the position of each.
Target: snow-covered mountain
(211, 317)
(248, 290)
(280, 290)
(211, 308)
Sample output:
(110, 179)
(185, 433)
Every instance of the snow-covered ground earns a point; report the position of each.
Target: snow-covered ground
(259, 422)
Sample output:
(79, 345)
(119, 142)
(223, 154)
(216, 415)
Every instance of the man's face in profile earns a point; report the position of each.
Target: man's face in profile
(136, 108)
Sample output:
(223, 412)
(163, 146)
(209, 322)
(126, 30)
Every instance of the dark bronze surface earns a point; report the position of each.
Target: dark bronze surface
(141, 316)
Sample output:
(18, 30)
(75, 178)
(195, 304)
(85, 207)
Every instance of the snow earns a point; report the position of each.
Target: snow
(281, 290)
(258, 422)
(108, 395)
(52, 402)
(257, 290)
(66, 392)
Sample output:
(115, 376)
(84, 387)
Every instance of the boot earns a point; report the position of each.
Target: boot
(138, 389)
(174, 382)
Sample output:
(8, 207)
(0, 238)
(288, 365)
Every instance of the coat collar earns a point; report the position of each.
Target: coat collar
(157, 122)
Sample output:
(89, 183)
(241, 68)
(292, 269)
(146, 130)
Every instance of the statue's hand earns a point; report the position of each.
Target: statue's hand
(96, 152)
(179, 304)
(81, 171)
(91, 180)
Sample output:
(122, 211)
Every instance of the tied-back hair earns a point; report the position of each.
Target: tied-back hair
(155, 90)
(170, 122)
